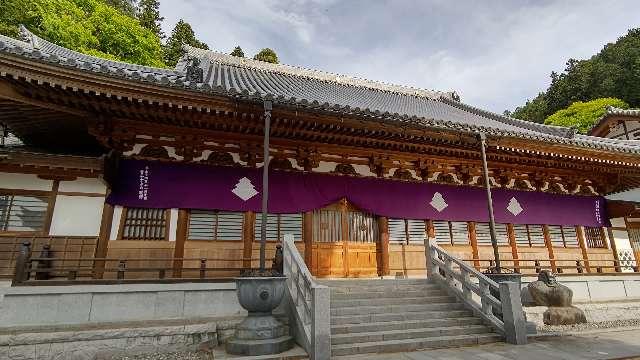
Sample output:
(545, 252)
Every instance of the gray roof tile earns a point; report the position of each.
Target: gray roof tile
(288, 85)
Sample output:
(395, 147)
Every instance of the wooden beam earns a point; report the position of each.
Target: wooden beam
(514, 247)
(307, 236)
(383, 246)
(182, 230)
(583, 246)
(614, 249)
(51, 207)
(549, 245)
(344, 222)
(102, 246)
(473, 240)
(248, 235)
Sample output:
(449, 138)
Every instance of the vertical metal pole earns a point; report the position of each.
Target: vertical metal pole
(492, 220)
(265, 183)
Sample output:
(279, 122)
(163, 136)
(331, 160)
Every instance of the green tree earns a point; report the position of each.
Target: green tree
(127, 7)
(182, 34)
(149, 16)
(583, 115)
(237, 51)
(88, 26)
(534, 110)
(613, 72)
(267, 55)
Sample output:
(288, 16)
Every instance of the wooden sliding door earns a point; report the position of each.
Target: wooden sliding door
(344, 242)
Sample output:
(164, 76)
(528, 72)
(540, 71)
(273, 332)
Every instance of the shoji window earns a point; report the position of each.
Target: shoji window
(595, 237)
(23, 212)
(451, 232)
(483, 234)
(529, 235)
(215, 225)
(406, 231)
(144, 224)
(278, 225)
(563, 236)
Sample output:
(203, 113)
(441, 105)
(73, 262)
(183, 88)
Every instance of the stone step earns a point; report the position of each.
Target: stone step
(386, 309)
(374, 282)
(392, 293)
(335, 304)
(413, 344)
(403, 325)
(399, 316)
(383, 288)
(378, 336)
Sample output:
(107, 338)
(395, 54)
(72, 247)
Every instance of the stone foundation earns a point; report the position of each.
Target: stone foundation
(107, 340)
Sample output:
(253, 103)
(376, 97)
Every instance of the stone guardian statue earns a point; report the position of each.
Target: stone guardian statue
(546, 291)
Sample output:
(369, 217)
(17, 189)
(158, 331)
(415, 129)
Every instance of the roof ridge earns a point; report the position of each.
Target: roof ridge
(529, 125)
(216, 56)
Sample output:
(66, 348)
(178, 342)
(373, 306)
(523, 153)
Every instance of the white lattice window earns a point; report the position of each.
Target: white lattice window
(278, 225)
(406, 231)
(483, 234)
(215, 225)
(23, 212)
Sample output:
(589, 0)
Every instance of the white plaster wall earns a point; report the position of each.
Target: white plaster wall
(83, 185)
(621, 237)
(77, 215)
(115, 224)
(24, 182)
(173, 224)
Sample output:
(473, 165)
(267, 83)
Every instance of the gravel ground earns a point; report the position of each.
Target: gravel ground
(590, 326)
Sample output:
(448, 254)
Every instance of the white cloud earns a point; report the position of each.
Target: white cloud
(494, 53)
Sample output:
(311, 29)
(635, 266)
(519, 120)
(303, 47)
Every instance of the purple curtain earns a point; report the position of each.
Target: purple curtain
(192, 186)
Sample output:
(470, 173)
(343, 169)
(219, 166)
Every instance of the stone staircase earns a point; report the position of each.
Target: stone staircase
(375, 316)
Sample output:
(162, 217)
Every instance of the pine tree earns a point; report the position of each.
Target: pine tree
(267, 55)
(182, 34)
(237, 51)
(149, 16)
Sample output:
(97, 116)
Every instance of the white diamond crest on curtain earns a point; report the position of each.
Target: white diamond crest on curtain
(437, 202)
(244, 189)
(514, 207)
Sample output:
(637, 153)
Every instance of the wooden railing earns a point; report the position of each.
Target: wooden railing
(311, 302)
(30, 270)
(558, 266)
(497, 304)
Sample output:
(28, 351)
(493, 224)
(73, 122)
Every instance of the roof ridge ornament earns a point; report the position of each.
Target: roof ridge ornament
(194, 72)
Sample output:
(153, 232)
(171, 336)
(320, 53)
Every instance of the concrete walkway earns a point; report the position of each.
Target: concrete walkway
(606, 344)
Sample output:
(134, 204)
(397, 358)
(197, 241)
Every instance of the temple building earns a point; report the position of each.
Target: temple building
(146, 169)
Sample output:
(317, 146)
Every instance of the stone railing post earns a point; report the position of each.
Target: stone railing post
(512, 314)
(321, 324)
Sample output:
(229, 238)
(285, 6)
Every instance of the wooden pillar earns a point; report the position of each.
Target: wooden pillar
(473, 240)
(181, 237)
(307, 237)
(549, 245)
(103, 240)
(614, 250)
(51, 207)
(583, 247)
(430, 236)
(383, 244)
(514, 247)
(248, 224)
(344, 221)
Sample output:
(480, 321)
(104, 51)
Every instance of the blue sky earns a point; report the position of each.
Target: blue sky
(495, 54)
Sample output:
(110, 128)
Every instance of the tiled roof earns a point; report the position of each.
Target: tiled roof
(241, 78)
(614, 111)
